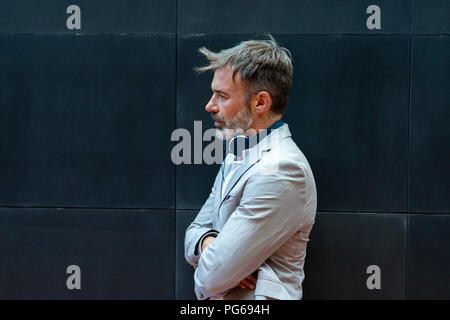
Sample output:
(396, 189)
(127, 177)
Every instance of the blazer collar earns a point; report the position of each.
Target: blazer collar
(254, 155)
(238, 144)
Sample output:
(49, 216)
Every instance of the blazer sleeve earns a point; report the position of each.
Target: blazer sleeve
(201, 226)
(272, 208)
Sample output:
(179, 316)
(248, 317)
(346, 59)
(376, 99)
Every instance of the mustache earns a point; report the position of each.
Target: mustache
(217, 117)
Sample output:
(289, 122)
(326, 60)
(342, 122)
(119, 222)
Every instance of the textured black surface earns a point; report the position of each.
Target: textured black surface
(184, 284)
(100, 16)
(290, 16)
(428, 257)
(430, 129)
(348, 113)
(122, 254)
(77, 120)
(430, 17)
(86, 118)
(341, 248)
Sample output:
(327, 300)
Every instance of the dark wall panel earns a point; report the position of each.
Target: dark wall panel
(77, 120)
(348, 112)
(343, 245)
(290, 16)
(184, 282)
(100, 16)
(430, 129)
(428, 257)
(87, 115)
(122, 254)
(431, 17)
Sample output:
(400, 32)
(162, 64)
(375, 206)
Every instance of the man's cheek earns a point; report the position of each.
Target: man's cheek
(227, 115)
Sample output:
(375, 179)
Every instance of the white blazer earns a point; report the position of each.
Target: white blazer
(262, 223)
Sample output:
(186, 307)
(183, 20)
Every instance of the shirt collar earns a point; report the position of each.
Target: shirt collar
(239, 144)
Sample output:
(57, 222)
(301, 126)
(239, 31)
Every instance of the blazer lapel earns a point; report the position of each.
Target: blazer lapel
(218, 198)
(253, 157)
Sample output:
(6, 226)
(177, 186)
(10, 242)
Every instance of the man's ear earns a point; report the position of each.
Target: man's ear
(262, 102)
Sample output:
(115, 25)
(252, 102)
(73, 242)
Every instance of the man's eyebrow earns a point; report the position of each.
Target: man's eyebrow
(219, 91)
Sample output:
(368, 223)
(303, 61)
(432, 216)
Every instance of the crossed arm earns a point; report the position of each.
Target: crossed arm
(249, 282)
(264, 220)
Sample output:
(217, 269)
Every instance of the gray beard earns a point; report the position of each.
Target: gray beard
(236, 126)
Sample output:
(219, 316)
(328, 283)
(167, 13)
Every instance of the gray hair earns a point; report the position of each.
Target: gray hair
(263, 66)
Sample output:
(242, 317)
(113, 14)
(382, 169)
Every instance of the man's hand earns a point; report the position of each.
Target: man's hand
(207, 241)
(250, 281)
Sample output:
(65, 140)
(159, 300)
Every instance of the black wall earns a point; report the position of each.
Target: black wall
(86, 118)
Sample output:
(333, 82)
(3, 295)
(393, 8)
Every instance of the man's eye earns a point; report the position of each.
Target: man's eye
(221, 96)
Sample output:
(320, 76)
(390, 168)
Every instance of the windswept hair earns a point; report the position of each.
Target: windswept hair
(263, 66)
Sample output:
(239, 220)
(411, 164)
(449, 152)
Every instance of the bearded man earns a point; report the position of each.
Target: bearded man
(249, 239)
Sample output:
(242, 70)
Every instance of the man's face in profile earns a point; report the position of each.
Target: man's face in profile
(228, 105)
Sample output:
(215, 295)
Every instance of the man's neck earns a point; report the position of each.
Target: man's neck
(261, 124)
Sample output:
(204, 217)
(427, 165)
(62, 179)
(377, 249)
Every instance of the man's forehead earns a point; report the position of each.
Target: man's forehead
(223, 80)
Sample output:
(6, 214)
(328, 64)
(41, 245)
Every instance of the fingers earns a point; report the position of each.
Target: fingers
(249, 283)
(252, 279)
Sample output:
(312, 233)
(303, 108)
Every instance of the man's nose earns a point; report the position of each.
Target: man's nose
(212, 107)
